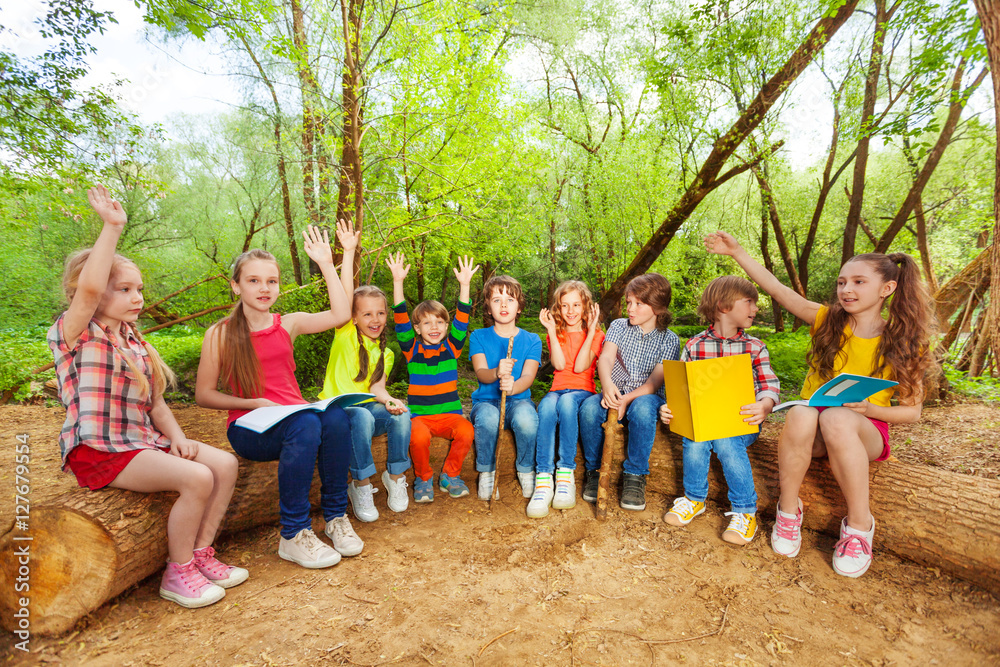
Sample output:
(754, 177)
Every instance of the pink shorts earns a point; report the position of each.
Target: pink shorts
(883, 429)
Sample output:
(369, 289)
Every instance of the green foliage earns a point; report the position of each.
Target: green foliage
(983, 388)
(180, 349)
(788, 358)
(21, 351)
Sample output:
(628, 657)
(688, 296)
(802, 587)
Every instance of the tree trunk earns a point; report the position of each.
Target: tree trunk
(955, 292)
(765, 253)
(350, 198)
(708, 177)
(307, 85)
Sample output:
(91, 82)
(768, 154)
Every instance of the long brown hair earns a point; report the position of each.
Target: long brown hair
(360, 293)
(163, 377)
(565, 288)
(239, 367)
(904, 344)
(653, 290)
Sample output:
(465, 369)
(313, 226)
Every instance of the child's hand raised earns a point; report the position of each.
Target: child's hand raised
(545, 317)
(349, 239)
(466, 269)
(398, 267)
(107, 207)
(721, 243)
(317, 245)
(595, 318)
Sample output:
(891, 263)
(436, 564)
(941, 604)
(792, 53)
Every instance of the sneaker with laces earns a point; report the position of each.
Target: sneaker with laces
(538, 506)
(184, 584)
(216, 571)
(423, 490)
(591, 479)
(684, 511)
(455, 487)
(527, 481)
(633, 492)
(398, 500)
(742, 528)
(852, 555)
(362, 501)
(786, 536)
(564, 497)
(308, 551)
(486, 480)
(345, 541)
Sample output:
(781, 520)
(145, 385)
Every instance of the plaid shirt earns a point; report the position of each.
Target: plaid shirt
(709, 345)
(639, 354)
(104, 409)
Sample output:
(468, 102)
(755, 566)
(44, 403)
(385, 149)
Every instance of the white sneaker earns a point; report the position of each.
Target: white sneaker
(565, 493)
(308, 551)
(852, 555)
(786, 536)
(345, 540)
(486, 484)
(542, 497)
(527, 480)
(362, 501)
(398, 500)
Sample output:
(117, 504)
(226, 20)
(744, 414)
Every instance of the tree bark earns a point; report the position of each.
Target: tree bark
(708, 177)
(350, 198)
(954, 293)
(307, 89)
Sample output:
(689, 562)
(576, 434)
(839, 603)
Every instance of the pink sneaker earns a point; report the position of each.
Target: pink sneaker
(216, 571)
(852, 555)
(184, 584)
(786, 536)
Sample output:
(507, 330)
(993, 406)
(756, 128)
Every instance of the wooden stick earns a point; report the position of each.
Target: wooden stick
(612, 430)
(503, 415)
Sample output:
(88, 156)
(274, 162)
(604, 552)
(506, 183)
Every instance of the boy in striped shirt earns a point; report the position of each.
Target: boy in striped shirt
(432, 346)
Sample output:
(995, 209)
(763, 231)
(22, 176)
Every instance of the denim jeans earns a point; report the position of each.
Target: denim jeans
(560, 408)
(641, 417)
(367, 421)
(732, 454)
(298, 442)
(520, 417)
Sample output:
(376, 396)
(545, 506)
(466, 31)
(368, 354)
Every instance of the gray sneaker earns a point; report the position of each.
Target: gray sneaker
(633, 492)
(341, 533)
(308, 551)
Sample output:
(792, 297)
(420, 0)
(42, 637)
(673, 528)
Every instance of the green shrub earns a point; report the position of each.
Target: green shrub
(22, 350)
(180, 348)
(788, 358)
(983, 388)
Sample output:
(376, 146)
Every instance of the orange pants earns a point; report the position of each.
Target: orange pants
(456, 428)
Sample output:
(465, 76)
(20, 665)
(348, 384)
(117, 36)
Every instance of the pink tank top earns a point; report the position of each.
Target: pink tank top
(273, 346)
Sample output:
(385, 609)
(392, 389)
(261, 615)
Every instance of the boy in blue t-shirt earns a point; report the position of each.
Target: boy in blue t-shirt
(504, 301)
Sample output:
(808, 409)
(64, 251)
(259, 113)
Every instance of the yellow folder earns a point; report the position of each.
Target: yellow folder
(705, 396)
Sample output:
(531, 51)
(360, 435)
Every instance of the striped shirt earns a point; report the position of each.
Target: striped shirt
(104, 408)
(639, 353)
(710, 345)
(433, 368)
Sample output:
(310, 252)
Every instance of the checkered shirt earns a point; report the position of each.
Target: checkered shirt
(104, 408)
(709, 345)
(639, 354)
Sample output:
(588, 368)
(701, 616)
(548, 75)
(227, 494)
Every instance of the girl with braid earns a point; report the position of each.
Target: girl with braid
(360, 362)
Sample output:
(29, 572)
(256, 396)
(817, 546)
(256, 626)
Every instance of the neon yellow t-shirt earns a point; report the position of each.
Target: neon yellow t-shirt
(343, 365)
(857, 357)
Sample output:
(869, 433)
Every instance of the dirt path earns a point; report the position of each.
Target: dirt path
(450, 583)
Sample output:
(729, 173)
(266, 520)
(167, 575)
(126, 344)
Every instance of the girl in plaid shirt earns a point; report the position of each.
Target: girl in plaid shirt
(730, 304)
(119, 432)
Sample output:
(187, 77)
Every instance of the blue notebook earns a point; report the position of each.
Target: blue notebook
(845, 388)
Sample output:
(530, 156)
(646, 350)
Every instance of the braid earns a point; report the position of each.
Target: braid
(383, 340)
(362, 357)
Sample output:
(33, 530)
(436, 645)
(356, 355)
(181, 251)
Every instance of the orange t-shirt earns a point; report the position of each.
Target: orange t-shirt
(571, 344)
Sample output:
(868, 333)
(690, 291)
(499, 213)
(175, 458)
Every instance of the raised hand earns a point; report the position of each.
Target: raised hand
(317, 245)
(106, 206)
(397, 265)
(545, 317)
(466, 269)
(721, 243)
(346, 235)
(595, 318)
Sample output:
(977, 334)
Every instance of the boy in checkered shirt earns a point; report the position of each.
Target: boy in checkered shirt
(730, 304)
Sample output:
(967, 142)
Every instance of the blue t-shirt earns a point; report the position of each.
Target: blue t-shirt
(486, 342)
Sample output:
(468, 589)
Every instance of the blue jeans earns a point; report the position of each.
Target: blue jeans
(732, 454)
(641, 417)
(520, 417)
(367, 421)
(560, 408)
(297, 443)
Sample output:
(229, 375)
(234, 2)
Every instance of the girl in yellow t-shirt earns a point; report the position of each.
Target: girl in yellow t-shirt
(850, 335)
(360, 362)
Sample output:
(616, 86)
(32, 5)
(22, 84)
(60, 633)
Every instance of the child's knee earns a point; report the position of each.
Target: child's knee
(198, 481)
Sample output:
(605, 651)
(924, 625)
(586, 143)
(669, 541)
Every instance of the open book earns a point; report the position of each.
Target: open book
(706, 395)
(262, 419)
(845, 388)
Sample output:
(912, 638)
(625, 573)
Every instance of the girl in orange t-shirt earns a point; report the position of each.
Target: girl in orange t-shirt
(574, 341)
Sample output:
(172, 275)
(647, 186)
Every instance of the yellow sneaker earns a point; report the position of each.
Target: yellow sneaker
(683, 511)
(742, 528)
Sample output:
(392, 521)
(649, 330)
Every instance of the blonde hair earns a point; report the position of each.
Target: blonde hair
(162, 376)
(565, 288)
(366, 291)
(430, 307)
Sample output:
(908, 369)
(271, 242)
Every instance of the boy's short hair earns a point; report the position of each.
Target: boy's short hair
(653, 290)
(722, 293)
(499, 284)
(430, 307)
